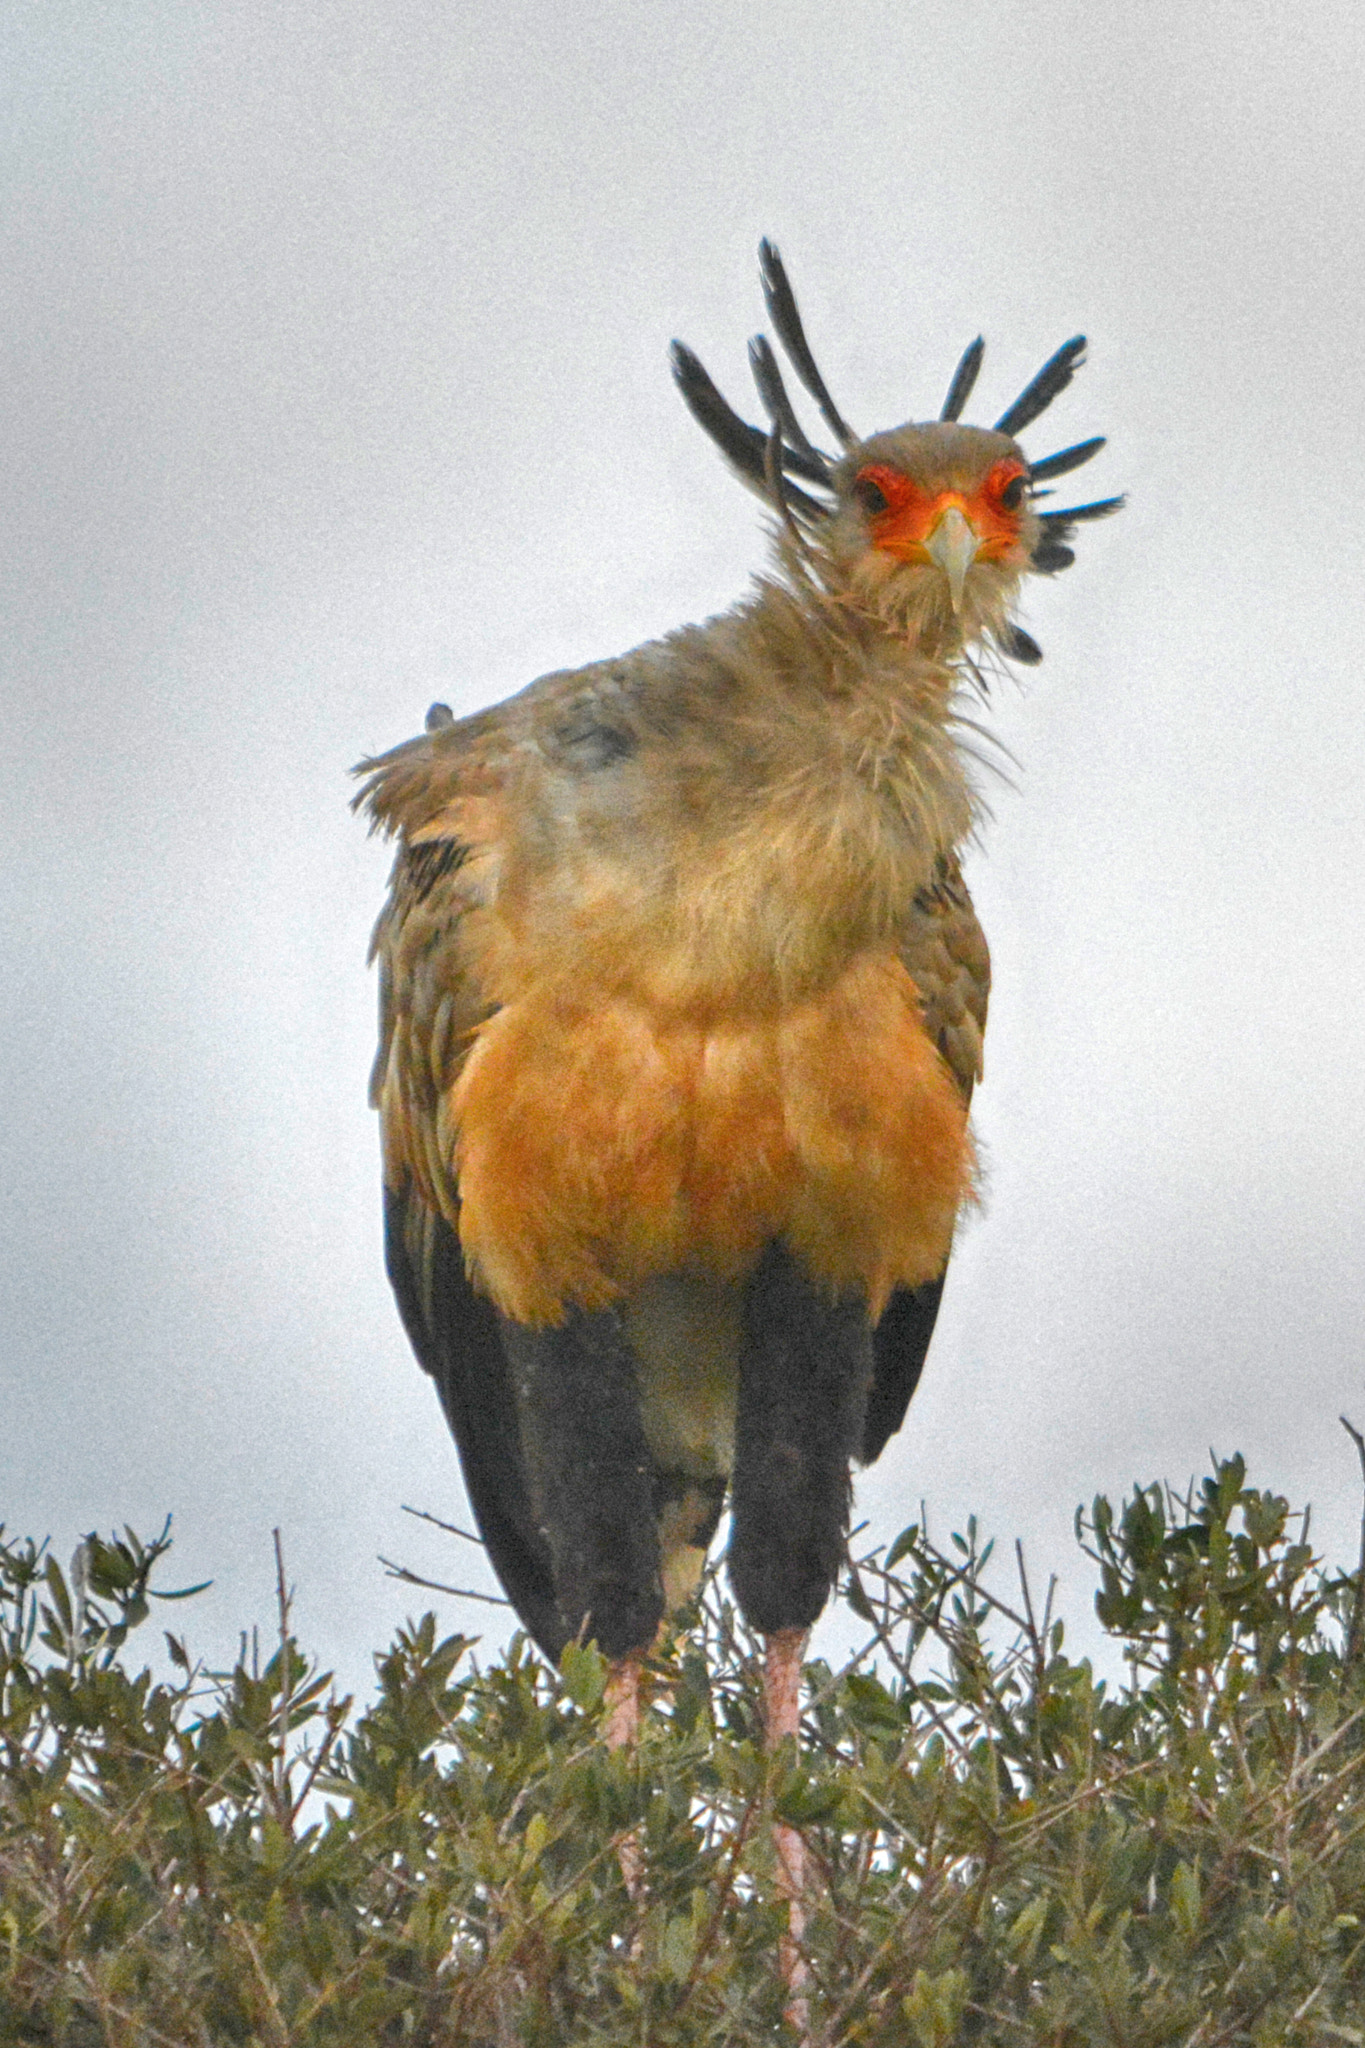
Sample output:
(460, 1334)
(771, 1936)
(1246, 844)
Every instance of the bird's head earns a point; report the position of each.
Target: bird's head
(931, 525)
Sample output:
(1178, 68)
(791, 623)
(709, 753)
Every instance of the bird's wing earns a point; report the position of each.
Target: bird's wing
(455, 1335)
(440, 795)
(945, 952)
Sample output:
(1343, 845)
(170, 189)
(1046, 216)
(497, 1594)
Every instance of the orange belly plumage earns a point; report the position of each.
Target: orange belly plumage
(598, 1147)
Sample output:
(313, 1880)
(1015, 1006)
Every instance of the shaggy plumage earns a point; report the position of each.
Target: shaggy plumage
(682, 1001)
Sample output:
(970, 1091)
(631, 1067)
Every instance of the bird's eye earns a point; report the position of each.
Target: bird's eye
(870, 494)
(1009, 485)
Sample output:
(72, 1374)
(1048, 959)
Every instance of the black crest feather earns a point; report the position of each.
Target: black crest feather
(1099, 508)
(1020, 646)
(781, 302)
(1065, 459)
(1049, 556)
(744, 446)
(1038, 394)
(737, 441)
(768, 461)
(778, 406)
(964, 380)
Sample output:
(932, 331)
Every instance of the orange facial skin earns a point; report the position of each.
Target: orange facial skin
(906, 517)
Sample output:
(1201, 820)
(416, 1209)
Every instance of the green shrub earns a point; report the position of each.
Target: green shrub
(1006, 1849)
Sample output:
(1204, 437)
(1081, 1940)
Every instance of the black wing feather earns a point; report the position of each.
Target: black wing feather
(901, 1339)
(455, 1334)
(900, 1344)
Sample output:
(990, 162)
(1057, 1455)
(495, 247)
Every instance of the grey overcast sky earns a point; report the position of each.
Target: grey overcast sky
(334, 380)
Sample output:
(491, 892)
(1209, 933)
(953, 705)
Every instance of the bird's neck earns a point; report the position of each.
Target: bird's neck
(811, 782)
(873, 704)
(800, 777)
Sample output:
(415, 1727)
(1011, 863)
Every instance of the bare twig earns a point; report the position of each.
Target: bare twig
(239, 1931)
(1355, 1634)
(284, 1599)
(412, 1578)
(451, 1528)
(336, 1711)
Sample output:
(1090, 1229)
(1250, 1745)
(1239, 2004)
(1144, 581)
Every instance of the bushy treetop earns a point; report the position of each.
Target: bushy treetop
(1009, 1850)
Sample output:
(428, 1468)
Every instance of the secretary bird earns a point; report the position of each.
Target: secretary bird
(682, 998)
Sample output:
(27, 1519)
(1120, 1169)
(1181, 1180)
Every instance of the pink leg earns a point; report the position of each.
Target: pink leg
(782, 1702)
(622, 1701)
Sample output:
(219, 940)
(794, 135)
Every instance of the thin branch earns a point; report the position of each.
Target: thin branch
(412, 1578)
(337, 1711)
(1355, 1634)
(284, 1598)
(239, 1931)
(451, 1528)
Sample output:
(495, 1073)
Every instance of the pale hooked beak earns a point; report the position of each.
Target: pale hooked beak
(953, 547)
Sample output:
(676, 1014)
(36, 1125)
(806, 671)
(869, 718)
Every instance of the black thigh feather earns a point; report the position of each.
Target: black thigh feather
(804, 1374)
